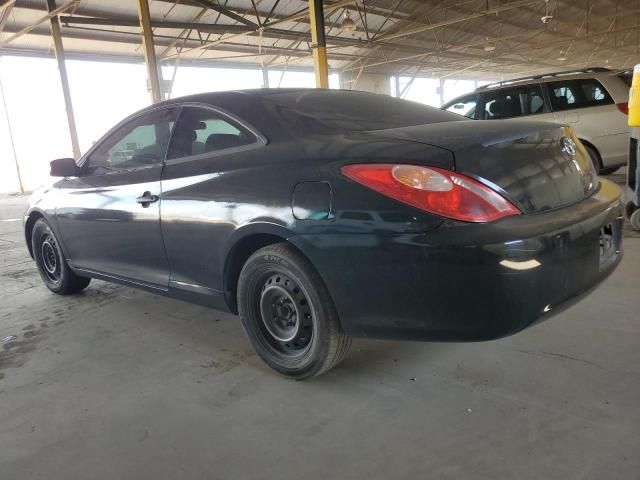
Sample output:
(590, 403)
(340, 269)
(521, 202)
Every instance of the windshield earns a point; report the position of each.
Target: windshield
(355, 111)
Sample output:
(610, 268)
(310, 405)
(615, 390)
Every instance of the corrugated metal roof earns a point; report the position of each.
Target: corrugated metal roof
(496, 38)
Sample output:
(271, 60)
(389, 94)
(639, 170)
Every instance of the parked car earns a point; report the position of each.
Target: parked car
(592, 101)
(319, 215)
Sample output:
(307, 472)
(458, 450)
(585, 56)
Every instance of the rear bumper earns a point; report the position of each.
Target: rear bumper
(467, 282)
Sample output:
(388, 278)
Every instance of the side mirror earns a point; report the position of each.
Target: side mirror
(64, 167)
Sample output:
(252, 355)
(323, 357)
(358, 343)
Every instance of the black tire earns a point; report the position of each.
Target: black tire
(288, 314)
(52, 266)
(634, 220)
(595, 159)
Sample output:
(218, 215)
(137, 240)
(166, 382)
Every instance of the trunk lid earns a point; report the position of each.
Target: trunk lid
(537, 166)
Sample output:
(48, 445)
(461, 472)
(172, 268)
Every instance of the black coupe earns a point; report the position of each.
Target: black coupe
(319, 215)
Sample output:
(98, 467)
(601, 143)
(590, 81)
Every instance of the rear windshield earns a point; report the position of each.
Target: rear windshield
(356, 111)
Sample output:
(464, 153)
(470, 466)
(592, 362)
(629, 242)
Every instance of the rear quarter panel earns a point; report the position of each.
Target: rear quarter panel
(211, 202)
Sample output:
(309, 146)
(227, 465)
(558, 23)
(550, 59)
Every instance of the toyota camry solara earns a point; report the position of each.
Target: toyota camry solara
(320, 215)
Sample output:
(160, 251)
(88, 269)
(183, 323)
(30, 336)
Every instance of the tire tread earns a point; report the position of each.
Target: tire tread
(339, 341)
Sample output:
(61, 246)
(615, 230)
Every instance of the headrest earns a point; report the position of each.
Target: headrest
(561, 101)
(220, 141)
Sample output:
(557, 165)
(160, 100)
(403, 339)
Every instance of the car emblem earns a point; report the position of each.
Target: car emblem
(568, 146)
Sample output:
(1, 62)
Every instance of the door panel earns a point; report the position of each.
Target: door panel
(202, 181)
(109, 217)
(570, 116)
(106, 230)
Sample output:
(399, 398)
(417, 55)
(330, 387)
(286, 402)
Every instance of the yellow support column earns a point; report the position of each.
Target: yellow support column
(149, 50)
(319, 43)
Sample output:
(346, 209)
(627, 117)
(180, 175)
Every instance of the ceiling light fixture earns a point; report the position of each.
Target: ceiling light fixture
(547, 17)
(348, 25)
(489, 46)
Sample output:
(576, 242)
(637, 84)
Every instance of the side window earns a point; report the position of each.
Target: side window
(202, 130)
(513, 102)
(141, 142)
(563, 95)
(465, 106)
(536, 100)
(594, 93)
(581, 93)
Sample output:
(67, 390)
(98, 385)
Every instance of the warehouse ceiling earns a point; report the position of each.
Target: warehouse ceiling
(461, 38)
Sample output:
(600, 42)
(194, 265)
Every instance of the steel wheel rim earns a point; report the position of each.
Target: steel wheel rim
(50, 258)
(287, 318)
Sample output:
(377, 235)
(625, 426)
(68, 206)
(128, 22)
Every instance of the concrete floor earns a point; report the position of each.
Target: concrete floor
(116, 384)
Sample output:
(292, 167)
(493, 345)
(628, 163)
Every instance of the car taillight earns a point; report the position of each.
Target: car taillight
(435, 190)
(623, 107)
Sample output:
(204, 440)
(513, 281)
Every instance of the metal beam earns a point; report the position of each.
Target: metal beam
(235, 31)
(130, 38)
(319, 43)
(5, 12)
(64, 79)
(27, 29)
(228, 13)
(184, 34)
(216, 28)
(306, 12)
(423, 28)
(149, 50)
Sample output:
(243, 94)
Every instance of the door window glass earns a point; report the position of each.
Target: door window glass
(587, 92)
(513, 102)
(202, 130)
(465, 106)
(139, 143)
(594, 93)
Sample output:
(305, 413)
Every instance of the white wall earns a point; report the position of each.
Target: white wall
(367, 82)
(38, 121)
(426, 89)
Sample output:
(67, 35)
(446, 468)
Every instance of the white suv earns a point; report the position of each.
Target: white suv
(593, 101)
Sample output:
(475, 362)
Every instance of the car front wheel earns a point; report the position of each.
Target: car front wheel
(52, 266)
(288, 314)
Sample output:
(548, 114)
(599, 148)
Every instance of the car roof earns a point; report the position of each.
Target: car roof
(251, 92)
(599, 73)
(593, 72)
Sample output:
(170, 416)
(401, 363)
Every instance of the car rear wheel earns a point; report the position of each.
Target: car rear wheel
(288, 314)
(634, 219)
(52, 266)
(595, 158)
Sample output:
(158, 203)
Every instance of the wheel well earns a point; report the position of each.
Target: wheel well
(28, 229)
(592, 147)
(236, 259)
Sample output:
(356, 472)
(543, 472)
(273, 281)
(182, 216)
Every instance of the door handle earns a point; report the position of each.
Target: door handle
(147, 198)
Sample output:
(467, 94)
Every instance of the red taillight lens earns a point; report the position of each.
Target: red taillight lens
(623, 107)
(434, 190)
